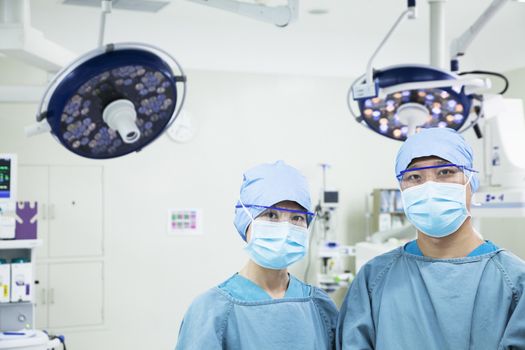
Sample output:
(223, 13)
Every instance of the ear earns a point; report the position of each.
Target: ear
(248, 233)
(469, 193)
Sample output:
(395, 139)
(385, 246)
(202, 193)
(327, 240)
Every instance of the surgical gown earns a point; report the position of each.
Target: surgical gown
(238, 314)
(406, 301)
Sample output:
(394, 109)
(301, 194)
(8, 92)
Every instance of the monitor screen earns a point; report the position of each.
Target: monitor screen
(5, 178)
(331, 197)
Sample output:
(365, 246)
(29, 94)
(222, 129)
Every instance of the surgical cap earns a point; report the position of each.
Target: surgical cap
(444, 143)
(267, 185)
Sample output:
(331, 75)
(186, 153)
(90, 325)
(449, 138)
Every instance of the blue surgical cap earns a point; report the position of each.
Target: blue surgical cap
(444, 143)
(269, 184)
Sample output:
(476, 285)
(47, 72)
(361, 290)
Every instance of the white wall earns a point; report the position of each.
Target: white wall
(241, 120)
(516, 83)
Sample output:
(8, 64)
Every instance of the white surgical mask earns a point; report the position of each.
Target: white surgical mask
(276, 245)
(436, 209)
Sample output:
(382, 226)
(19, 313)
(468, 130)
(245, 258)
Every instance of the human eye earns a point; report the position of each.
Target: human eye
(299, 220)
(448, 171)
(270, 215)
(412, 177)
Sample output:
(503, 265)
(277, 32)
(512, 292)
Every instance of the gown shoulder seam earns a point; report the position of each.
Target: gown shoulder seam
(506, 277)
(382, 273)
(326, 319)
(224, 323)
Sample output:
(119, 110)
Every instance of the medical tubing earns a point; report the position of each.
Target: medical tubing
(496, 74)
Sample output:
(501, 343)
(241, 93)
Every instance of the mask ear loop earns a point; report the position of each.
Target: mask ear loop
(401, 195)
(311, 224)
(249, 215)
(246, 210)
(472, 194)
(469, 178)
(472, 203)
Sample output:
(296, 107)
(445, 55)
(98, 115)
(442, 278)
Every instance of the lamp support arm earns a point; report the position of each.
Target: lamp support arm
(459, 46)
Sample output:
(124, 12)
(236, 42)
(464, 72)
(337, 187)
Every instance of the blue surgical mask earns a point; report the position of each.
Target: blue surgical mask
(276, 245)
(436, 209)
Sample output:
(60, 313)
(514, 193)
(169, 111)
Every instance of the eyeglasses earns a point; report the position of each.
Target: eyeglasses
(448, 173)
(278, 214)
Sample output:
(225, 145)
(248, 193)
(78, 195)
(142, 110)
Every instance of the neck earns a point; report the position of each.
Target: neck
(274, 282)
(458, 244)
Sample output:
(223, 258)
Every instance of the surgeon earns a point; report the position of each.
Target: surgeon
(263, 306)
(448, 289)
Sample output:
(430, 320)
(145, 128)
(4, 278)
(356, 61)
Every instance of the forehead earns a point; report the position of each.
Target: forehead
(289, 205)
(427, 161)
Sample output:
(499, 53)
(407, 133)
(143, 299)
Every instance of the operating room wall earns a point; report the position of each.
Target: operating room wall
(240, 120)
(516, 83)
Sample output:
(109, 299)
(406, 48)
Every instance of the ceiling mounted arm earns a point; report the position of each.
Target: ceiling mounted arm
(369, 88)
(23, 42)
(105, 9)
(459, 46)
(281, 16)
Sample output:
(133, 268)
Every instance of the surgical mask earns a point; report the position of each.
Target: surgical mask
(276, 245)
(437, 209)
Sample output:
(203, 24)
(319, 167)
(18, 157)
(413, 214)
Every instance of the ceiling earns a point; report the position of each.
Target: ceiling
(337, 43)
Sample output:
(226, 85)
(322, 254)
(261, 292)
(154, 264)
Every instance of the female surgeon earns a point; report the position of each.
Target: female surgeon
(449, 289)
(263, 306)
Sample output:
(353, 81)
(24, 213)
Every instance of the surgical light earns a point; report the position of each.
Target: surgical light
(114, 100)
(405, 102)
(411, 97)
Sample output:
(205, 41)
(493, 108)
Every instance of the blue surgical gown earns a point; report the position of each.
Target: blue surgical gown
(487, 247)
(405, 301)
(238, 314)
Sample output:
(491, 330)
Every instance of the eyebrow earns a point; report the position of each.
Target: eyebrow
(238, 206)
(299, 211)
(438, 162)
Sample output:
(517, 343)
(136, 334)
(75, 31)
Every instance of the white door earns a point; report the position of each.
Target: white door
(41, 291)
(33, 185)
(75, 294)
(76, 211)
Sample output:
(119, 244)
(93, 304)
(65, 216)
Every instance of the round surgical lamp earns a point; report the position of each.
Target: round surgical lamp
(413, 97)
(114, 100)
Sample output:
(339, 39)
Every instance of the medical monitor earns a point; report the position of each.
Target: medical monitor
(8, 165)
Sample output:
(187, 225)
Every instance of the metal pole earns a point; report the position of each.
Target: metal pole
(106, 8)
(437, 33)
